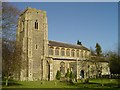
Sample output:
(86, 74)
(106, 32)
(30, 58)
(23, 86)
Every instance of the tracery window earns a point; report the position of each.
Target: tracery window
(50, 50)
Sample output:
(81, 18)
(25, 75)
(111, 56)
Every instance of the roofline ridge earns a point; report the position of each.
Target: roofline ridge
(65, 43)
(80, 46)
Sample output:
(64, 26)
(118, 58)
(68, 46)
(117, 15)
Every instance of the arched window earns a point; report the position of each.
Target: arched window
(68, 52)
(73, 53)
(62, 52)
(50, 50)
(36, 24)
(77, 53)
(57, 51)
(81, 54)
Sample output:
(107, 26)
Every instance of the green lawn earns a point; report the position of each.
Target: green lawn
(93, 83)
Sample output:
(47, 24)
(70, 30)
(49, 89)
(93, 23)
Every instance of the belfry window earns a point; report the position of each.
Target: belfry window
(36, 24)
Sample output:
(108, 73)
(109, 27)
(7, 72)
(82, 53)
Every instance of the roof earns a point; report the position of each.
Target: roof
(61, 44)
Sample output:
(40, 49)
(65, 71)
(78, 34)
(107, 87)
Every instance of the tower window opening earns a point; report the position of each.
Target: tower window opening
(36, 47)
(36, 24)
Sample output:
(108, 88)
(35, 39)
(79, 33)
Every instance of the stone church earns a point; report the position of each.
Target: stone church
(42, 58)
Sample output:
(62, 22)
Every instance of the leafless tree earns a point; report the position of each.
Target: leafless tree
(9, 20)
(10, 51)
(11, 61)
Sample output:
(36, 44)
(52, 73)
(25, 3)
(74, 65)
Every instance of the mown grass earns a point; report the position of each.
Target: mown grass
(93, 83)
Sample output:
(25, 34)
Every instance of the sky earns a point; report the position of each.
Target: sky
(89, 22)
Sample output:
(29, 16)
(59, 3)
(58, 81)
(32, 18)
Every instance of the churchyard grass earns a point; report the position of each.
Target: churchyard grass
(93, 83)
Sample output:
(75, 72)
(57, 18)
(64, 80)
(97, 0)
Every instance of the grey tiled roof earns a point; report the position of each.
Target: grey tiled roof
(61, 44)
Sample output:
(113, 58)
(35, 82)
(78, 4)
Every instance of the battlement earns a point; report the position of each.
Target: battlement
(31, 10)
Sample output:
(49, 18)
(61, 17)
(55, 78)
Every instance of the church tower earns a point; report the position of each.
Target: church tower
(32, 34)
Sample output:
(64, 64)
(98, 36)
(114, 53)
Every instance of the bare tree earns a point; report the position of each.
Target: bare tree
(6, 61)
(9, 20)
(11, 61)
(10, 51)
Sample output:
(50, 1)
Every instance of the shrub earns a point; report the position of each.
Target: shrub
(72, 76)
(58, 75)
(67, 75)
